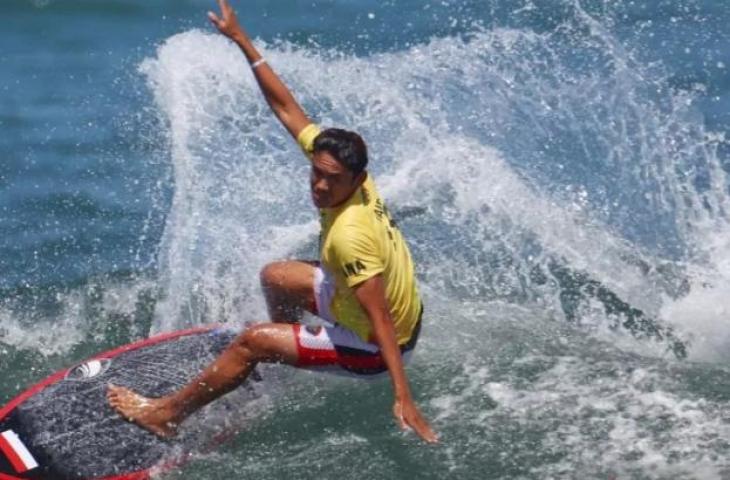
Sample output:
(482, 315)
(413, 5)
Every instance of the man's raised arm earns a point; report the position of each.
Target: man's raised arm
(277, 95)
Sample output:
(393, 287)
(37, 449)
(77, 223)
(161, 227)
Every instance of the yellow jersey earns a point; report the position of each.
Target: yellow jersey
(358, 241)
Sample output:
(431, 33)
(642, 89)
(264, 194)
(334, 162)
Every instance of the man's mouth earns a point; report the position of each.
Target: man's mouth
(318, 198)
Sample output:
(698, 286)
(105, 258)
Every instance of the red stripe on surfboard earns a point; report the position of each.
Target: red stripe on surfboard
(9, 407)
(140, 475)
(12, 455)
(30, 392)
(156, 339)
(8, 477)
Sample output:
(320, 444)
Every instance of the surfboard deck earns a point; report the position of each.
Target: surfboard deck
(63, 428)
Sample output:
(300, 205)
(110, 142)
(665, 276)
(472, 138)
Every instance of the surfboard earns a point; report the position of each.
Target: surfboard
(63, 428)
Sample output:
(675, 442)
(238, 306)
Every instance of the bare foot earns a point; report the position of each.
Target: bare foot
(149, 413)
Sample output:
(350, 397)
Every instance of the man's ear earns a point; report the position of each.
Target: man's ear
(359, 178)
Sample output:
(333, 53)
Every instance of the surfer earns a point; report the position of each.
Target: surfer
(364, 284)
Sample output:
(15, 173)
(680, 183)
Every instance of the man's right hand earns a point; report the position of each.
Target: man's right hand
(227, 23)
(277, 95)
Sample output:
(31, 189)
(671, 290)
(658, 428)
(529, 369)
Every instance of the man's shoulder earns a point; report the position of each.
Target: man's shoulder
(351, 230)
(306, 138)
(352, 221)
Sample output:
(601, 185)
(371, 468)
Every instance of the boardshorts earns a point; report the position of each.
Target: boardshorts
(336, 349)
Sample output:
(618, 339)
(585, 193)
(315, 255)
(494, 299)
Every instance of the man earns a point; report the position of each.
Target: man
(364, 286)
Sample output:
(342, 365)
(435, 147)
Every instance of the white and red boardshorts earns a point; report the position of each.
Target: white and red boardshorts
(337, 349)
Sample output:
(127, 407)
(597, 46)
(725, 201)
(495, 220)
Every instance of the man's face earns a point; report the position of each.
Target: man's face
(331, 183)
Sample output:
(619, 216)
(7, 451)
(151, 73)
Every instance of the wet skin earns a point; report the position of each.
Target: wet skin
(150, 413)
(266, 342)
(331, 185)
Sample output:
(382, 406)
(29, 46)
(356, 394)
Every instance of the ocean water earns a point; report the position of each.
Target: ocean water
(559, 168)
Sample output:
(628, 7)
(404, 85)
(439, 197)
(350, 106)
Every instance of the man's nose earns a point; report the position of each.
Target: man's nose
(320, 184)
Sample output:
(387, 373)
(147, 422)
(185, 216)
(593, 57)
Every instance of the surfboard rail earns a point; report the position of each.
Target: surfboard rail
(38, 387)
(9, 417)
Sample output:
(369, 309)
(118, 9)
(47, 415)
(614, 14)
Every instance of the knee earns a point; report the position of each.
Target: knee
(255, 342)
(272, 275)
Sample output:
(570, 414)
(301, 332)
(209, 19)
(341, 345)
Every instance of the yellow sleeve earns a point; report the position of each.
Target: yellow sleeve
(356, 255)
(306, 137)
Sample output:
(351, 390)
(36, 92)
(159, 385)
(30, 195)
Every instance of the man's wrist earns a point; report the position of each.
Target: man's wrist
(239, 37)
(403, 394)
(246, 46)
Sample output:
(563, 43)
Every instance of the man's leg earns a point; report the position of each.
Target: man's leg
(289, 289)
(261, 343)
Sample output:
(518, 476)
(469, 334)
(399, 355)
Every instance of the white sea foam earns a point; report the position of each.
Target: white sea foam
(705, 311)
(220, 170)
(49, 338)
(79, 314)
(592, 416)
(622, 212)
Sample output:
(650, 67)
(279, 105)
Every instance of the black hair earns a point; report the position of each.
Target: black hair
(348, 148)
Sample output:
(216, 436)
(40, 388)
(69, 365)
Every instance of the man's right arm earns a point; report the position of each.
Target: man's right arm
(277, 95)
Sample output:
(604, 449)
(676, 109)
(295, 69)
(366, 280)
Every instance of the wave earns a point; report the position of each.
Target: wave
(525, 152)
(567, 209)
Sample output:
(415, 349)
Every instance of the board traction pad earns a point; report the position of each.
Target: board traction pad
(68, 428)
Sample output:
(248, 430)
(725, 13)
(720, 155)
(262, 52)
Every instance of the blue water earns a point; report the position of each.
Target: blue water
(559, 167)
